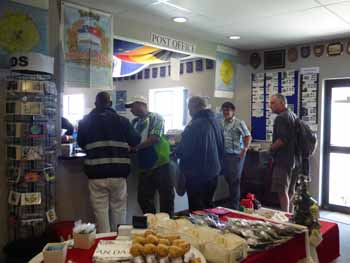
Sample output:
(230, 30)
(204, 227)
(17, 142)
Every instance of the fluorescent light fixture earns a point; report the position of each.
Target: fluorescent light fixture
(179, 19)
(159, 2)
(166, 2)
(234, 37)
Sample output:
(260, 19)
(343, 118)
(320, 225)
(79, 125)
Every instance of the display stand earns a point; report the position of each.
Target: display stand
(31, 152)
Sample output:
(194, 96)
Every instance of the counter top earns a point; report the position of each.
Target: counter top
(72, 156)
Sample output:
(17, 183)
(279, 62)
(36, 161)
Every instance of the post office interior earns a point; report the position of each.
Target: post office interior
(259, 28)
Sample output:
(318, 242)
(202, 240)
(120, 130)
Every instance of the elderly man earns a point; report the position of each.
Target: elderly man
(283, 151)
(237, 141)
(152, 159)
(106, 137)
(201, 153)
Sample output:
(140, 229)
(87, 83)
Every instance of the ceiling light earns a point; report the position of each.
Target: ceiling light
(180, 19)
(234, 37)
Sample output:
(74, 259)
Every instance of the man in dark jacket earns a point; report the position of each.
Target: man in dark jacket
(201, 153)
(106, 137)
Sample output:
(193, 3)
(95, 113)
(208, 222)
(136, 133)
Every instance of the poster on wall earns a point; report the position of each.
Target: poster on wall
(225, 75)
(87, 47)
(309, 79)
(23, 28)
(120, 98)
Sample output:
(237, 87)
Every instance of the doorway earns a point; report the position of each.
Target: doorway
(336, 159)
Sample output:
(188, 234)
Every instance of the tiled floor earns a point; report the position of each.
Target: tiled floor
(343, 221)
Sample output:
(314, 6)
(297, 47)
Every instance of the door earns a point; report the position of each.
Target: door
(336, 171)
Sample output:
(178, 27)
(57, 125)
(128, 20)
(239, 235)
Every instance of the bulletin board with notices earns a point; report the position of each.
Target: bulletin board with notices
(264, 85)
(309, 86)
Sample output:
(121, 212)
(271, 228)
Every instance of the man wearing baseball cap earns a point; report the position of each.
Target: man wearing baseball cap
(152, 158)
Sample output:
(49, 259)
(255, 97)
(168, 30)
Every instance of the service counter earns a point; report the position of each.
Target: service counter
(72, 195)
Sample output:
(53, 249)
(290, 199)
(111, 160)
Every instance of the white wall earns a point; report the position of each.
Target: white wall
(330, 67)
(89, 96)
(197, 83)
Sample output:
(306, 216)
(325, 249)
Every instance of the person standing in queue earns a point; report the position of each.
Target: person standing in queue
(106, 137)
(283, 151)
(152, 159)
(201, 152)
(237, 141)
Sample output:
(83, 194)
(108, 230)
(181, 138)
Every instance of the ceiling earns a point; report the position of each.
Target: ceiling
(260, 23)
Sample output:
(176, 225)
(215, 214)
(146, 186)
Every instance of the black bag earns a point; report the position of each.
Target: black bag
(306, 140)
(178, 178)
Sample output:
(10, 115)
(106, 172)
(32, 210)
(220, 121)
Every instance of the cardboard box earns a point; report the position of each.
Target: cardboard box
(52, 255)
(84, 241)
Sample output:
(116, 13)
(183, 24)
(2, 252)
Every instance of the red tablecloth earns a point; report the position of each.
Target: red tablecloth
(328, 250)
(289, 252)
(294, 249)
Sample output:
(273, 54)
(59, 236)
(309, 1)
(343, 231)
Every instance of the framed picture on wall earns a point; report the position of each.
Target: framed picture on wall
(274, 59)
(140, 75)
(154, 73)
(162, 71)
(181, 68)
(189, 67)
(199, 65)
(120, 97)
(146, 76)
(209, 64)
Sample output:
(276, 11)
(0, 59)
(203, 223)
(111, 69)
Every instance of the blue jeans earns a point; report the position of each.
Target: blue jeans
(233, 167)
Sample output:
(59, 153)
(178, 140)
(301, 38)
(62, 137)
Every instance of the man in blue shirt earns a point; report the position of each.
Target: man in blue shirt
(201, 153)
(237, 141)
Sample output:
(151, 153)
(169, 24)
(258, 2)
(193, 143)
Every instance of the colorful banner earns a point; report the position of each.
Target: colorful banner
(23, 28)
(87, 46)
(130, 58)
(225, 75)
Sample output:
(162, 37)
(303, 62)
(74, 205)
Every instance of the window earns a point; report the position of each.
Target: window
(73, 107)
(170, 103)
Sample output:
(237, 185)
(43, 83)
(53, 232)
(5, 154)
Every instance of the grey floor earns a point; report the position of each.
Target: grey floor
(343, 221)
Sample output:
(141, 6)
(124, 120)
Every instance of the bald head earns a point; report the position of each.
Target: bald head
(103, 100)
(196, 104)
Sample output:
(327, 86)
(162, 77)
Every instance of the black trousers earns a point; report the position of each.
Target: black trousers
(156, 180)
(200, 195)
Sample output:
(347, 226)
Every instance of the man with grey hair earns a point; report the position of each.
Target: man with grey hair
(201, 153)
(283, 151)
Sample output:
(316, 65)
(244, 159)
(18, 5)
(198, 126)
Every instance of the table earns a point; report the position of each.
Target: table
(77, 255)
(294, 250)
(290, 252)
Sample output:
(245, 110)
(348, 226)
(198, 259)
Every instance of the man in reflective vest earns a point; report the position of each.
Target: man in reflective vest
(106, 137)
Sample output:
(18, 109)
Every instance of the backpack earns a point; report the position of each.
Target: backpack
(306, 140)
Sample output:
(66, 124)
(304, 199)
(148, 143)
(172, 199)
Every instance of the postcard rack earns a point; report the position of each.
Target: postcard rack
(31, 153)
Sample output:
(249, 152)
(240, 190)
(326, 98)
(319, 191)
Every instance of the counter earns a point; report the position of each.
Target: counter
(72, 195)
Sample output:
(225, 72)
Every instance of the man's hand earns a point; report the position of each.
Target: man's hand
(242, 153)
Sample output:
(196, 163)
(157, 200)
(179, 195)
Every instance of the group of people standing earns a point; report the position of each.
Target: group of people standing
(207, 149)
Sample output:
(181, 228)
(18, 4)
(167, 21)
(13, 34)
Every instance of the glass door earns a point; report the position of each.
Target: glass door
(336, 173)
